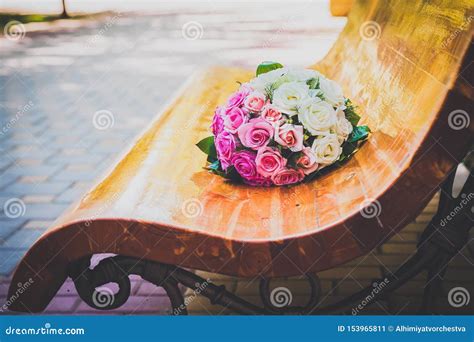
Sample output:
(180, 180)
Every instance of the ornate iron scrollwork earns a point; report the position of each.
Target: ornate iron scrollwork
(441, 240)
(116, 270)
(278, 301)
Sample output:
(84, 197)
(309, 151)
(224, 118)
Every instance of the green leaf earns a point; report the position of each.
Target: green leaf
(232, 174)
(351, 114)
(269, 92)
(359, 133)
(207, 146)
(267, 66)
(313, 83)
(348, 149)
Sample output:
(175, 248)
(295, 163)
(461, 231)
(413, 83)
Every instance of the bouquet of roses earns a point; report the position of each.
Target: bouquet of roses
(282, 127)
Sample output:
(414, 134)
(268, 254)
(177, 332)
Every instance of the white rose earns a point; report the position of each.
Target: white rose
(317, 116)
(343, 126)
(290, 95)
(326, 149)
(332, 91)
(299, 74)
(262, 81)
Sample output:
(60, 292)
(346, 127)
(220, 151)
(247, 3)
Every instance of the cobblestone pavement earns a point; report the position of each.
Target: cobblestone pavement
(53, 83)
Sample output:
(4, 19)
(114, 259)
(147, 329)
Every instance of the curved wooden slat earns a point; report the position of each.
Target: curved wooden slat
(340, 8)
(157, 202)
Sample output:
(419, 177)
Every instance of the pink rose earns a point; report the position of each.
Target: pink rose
(307, 161)
(244, 163)
(271, 114)
(246, 89)
(269, 160)
(217, 121)
(225, 147)
(290, 136)
(234, 118)
(285, 176)
(254, 101)
(256, 133)
(236, 99)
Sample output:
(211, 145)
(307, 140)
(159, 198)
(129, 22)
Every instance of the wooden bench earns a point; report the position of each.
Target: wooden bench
(408, 65)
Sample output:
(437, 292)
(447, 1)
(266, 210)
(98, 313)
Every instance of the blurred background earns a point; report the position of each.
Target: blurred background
(80, 79)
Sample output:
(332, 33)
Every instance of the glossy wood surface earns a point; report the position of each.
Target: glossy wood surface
(340, 8)
(158, 203)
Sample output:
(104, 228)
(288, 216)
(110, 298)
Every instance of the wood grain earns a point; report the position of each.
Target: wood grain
(158, 203)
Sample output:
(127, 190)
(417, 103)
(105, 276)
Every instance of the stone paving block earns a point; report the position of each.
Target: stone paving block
(4, 163)
(73, 176)
(32, 161)
(8, 227)
(424, 218)
(34, 224)
(9, 258)
(32, 179)
(159, 305)
(415, 227)
(374, 259)
(146, 289)
(79, 167)
(31, 199)
(88, 159)
(359, 272)
(70, 195)
(6, 179)
(37, 211)
(46, 188)
(398, 248)
(404, 237)
(23, 151)
(215, 276)
(68, 289)
(23, 238)
(230, 285)
(61, 304)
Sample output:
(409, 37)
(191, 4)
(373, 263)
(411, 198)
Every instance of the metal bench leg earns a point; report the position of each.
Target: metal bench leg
(439, 243)
(443, 238)
(116, 269)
